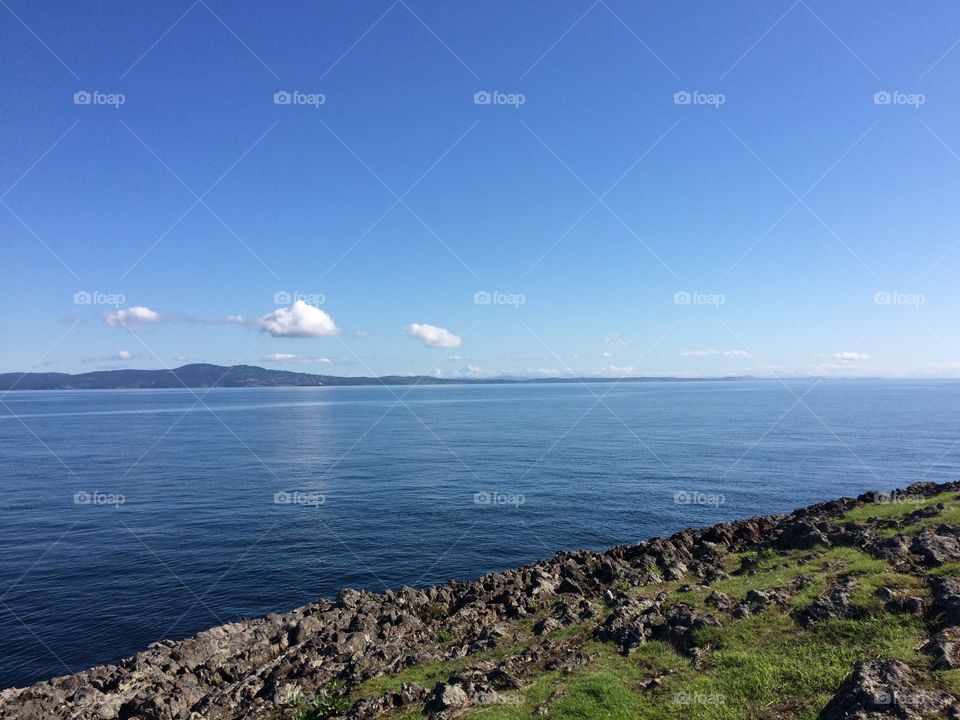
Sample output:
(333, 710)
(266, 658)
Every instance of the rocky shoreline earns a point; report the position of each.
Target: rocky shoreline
(496, 636)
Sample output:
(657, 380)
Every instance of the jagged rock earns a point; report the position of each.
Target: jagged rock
(447, 696)
(946, 602)
(719, 600)
(679, 624)
(244, 669)
(628, 624)
(937, 546)
(546, 626)
(801, 535)
(899, 602)
(883, 689)
(756, 601)
(944, 647)
(835, 603)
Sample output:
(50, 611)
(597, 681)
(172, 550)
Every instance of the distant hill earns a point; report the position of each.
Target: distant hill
(202, 375)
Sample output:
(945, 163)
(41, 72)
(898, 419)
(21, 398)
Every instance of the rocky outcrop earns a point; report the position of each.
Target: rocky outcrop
(251, 669)
(883, 689)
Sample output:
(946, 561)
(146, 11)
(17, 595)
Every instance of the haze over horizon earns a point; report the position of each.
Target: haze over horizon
(416, 187)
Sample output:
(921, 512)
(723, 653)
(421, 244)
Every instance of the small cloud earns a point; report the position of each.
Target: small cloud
(432, 336)
(292, 358)
(710, 353)
(455, 358)
(132, 317)
(850, 357)
(362, 333)
(300, 320)
(474, 370)
(607, 354)
(616, 341)
(124, 355)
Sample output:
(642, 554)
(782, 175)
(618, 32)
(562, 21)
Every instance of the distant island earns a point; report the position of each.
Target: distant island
(204, 375)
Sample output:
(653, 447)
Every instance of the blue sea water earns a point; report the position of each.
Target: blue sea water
(131, 516)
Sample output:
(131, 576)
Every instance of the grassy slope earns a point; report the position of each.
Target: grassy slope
(762, 666)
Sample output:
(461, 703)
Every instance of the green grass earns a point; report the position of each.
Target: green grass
(754, 668)
(898, 509)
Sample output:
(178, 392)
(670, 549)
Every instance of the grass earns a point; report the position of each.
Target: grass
(758, 667)
(951, 513)
(755, 668)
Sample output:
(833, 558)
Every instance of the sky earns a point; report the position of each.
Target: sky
(558, 188)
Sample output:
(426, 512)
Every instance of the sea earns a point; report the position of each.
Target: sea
(131, 516)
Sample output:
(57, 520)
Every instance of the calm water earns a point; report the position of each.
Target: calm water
(388, 490)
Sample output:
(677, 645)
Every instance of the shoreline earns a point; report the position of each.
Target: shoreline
(257, 668)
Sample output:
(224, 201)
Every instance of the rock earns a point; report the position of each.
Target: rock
(801, 535)
(945, 610)
(944, 647)
(719, 600)
(679, 624)
(883, 689)
(835, 603)
(546, 626)
(447, 696)
(937, 546)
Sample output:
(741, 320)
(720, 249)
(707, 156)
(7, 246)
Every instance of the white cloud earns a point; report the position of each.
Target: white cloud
(710, 353)
(131, 317)
(292, 358)
(454, 358)
(474, 370)
(850, 357)
(616, 341)
(433, 336)
(607, 354)
(362, 333)
(124, 355)
(300, 320)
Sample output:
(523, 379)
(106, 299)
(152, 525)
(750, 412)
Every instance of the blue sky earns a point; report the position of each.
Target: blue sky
(786, 220)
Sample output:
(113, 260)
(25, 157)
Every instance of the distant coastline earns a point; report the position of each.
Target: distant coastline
(203, 375)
